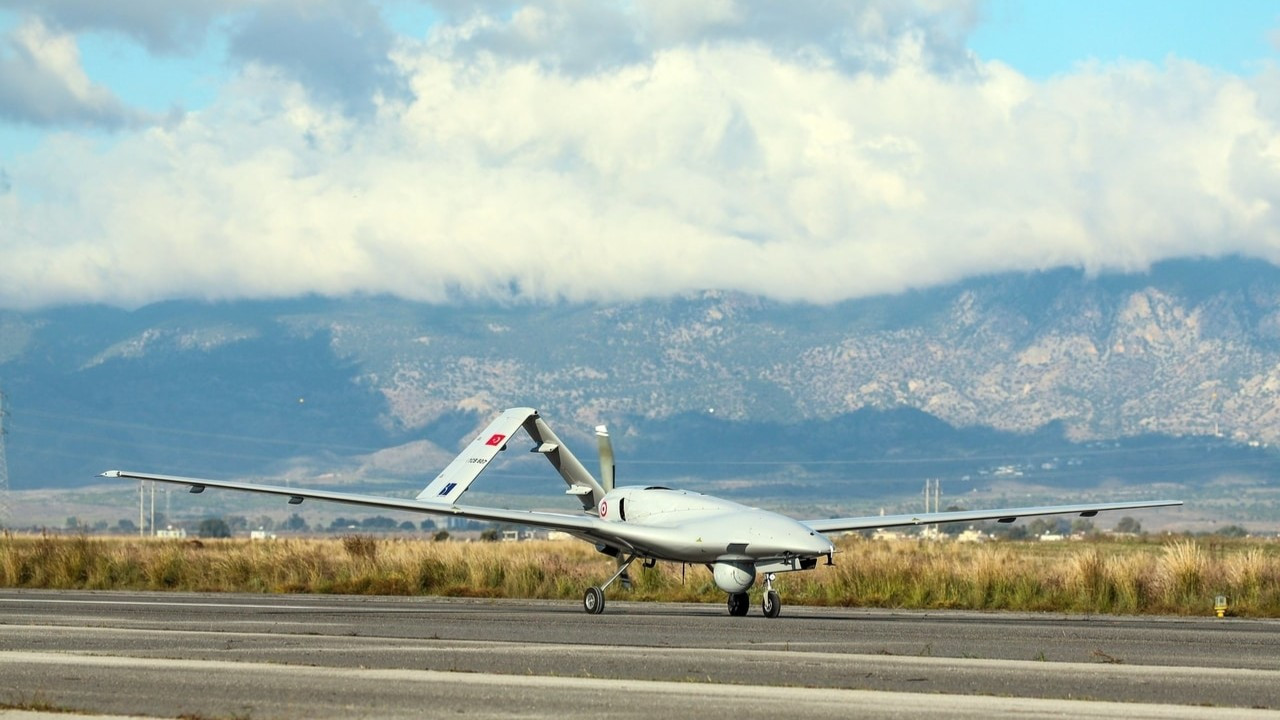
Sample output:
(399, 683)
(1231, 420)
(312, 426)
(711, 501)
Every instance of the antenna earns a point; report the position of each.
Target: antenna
(4, 470)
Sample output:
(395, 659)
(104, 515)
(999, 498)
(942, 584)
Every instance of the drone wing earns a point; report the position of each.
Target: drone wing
(1005, 515)
(552, 521)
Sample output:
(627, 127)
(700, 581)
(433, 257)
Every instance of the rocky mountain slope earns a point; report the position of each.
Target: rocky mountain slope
(1191, 348)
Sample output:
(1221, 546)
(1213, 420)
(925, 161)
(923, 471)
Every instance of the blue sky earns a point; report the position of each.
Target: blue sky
(1049, 37)
(440, 148)
(1039, 39)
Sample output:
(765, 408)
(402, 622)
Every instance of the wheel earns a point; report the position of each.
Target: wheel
(739, 604)
(771, 604)
(593, 601)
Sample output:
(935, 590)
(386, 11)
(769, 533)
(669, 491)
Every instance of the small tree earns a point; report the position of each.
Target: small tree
(213, 528)
(296, 523)
(378, 522)
(1040, 526)
(1129, 525)
(427, 524)
(441, 536)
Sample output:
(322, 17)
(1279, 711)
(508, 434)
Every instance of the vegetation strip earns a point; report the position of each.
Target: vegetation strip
(1178, 576)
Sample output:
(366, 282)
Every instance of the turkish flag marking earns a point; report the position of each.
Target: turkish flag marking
(496, 440)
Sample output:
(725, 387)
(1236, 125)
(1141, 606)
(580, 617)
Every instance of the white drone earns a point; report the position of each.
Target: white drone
(645, 523)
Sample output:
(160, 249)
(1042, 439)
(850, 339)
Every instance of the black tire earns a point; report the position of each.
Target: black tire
(739, 604)
(593, 601)
(771, 604)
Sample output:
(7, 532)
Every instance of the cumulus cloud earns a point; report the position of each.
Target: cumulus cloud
(339, 49)
(730, 164)
(162, 26)
(42, 83)
(581, 36)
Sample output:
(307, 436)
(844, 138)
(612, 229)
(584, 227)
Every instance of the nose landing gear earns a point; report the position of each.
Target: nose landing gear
(771, 603)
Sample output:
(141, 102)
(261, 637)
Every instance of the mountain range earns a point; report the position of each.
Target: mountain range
(1172, 374)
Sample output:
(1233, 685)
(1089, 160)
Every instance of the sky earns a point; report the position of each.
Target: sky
(587, 150)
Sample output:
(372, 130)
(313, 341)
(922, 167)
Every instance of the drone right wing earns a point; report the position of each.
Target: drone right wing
(1001, 514)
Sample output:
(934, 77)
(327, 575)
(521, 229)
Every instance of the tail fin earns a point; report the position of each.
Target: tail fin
(459, 474)
(580, 482)
(454, 480)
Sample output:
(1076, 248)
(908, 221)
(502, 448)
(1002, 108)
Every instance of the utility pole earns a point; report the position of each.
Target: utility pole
(932, 495)
(4, 470)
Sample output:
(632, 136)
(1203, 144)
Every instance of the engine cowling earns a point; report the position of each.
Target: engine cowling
(734, 577)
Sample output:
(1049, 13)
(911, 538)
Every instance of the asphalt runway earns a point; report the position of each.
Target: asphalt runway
(307, 656)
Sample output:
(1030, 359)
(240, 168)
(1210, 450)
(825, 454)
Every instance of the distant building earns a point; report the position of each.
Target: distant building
(517, 535)
(972, 535)
(172, 533)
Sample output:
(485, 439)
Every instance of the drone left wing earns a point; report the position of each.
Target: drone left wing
(580, 525)
(1000, 514)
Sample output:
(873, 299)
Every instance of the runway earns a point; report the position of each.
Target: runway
(293, 656)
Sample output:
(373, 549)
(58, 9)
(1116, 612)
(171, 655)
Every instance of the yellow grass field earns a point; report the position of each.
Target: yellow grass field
(1168, 576)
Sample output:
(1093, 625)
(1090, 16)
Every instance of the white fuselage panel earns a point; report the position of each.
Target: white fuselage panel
(685, 526)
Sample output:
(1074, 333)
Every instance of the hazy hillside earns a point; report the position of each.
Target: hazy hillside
(1028, 370)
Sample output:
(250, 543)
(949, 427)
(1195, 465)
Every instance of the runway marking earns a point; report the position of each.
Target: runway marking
(221, 606)
(801, 697)
(545, 650)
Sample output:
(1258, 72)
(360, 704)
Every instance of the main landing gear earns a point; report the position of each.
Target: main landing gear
(593, 600)
(770, 604)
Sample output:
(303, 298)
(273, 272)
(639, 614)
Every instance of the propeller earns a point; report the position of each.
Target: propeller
(605, 447)
(606, 457)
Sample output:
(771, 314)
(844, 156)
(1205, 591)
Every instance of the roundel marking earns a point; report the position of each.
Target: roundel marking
(604, 508)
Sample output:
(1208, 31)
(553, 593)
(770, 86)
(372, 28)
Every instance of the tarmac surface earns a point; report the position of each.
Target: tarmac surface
(307, 656)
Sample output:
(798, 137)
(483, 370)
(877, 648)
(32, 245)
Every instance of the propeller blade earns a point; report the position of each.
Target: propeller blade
(606, 457)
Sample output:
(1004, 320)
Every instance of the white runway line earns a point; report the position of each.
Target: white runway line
(1133, 672)
(798, 698)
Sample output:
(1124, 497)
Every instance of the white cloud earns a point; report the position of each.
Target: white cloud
(339, 49)
(163, 26)
(726, 164)
(42, 82)
(584, 36)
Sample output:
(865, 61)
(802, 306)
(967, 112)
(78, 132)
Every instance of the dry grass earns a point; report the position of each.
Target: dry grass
(1177, 577)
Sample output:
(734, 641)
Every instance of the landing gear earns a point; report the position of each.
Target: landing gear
(593, 600)
(770, 604)
(739, 604)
